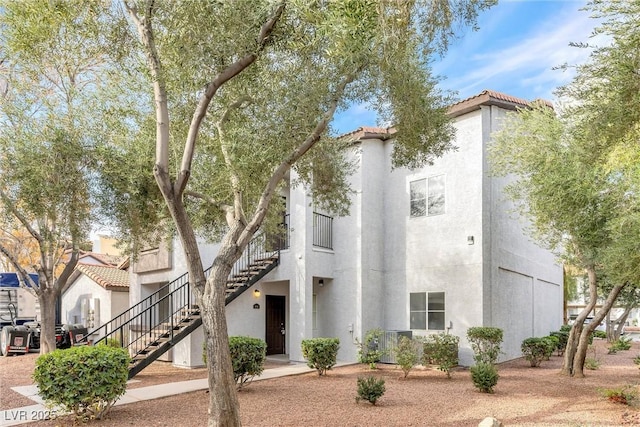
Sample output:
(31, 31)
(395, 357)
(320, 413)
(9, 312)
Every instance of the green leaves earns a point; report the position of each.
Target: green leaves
(320, 353)
(85, 380)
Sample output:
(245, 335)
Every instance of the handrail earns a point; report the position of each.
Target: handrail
(158, 315)
(322, 231)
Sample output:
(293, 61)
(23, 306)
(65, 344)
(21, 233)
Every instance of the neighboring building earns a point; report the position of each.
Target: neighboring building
(95, 294)
(431, 250)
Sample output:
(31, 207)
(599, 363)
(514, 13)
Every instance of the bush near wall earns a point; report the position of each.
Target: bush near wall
(406, 353)
(441, 350)
(563, 337)
(534, 350)
(485, 343)
(369, 351)
(321, 353)
(85, 380)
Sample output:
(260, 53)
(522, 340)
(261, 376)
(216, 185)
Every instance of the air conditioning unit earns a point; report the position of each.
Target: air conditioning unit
(388, 342)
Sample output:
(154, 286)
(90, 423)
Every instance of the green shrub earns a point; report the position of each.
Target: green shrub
(636, 360)
(406, 353)
(624, 395)
(620, 344)
(321, 353)
(591, 363)
(485, 342)
(484, 376)
(370, 389)
(552, 345)
(84, 380)
(441, 350)
(535, 350)
(563, 337)
(247, 357)
(600, 334)
(369, 351)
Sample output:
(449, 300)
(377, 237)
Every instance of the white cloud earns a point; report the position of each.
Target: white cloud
(525, 61)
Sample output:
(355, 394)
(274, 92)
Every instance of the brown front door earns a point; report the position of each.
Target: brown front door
(275, 324)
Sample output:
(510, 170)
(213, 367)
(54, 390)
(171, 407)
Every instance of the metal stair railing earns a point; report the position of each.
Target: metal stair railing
(154, 325)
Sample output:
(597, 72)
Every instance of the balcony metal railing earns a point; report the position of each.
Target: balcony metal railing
(322, 231)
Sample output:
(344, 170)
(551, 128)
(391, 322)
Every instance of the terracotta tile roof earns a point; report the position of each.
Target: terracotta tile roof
(110, 278)
(486, 97)
(103, 258)
(369, 132)
(490, 97)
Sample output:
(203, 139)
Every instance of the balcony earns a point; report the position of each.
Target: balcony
(322, 231)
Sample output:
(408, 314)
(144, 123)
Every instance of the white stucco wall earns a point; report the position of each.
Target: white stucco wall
(432, 253)
(525, 281)
(111, 303)
(380, 255)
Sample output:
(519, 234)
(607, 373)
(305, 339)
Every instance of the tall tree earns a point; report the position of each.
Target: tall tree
(590, 158)
(51, 53)
(569, 199)
(246, 91)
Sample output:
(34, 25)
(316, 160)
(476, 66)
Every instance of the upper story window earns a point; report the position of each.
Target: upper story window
(427, 196)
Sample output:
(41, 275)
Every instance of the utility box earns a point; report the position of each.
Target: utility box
(388, 343)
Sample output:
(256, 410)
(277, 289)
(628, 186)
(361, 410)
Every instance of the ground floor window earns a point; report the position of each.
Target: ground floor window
(426, 310)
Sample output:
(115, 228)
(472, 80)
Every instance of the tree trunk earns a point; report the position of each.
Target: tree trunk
(224, 409)
(576, 330)
(47, 300)
(609, 329)
(574, 361)
(621, 321)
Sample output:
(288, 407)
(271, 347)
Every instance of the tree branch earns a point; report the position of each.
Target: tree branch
(197, 195)
(145, 31)
(23, 220)
(301, 150)
(211, 89)
(235, 180)
(24, 275)
(69, 267)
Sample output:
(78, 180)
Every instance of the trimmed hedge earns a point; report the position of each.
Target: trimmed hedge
(484, 376)
(485, 342)
(247, 357)
(535, 350)
(321, 353)
(85, 380)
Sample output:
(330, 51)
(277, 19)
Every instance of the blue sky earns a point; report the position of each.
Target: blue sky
(514, 51)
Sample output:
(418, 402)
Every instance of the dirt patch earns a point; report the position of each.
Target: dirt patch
(524, 396)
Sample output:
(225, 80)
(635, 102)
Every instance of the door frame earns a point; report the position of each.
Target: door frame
(276, 304)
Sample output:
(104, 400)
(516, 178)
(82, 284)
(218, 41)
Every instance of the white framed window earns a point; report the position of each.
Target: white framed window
(427, 196)
(427, 311)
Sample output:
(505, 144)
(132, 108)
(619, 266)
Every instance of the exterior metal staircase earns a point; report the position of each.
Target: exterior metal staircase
(157, 323)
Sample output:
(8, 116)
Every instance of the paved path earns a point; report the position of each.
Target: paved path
(37, 412)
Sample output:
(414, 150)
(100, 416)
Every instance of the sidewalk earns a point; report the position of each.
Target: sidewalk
(38, 412)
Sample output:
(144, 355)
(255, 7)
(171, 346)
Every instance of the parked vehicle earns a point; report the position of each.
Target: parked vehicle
(19, 325)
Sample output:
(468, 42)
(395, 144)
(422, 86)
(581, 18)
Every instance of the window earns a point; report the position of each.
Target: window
(426, 310)
(427, 196)
(418, 310)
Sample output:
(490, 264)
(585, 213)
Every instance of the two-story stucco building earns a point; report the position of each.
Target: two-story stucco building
(437, 249)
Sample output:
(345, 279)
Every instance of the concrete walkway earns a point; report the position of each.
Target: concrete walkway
(37, 412)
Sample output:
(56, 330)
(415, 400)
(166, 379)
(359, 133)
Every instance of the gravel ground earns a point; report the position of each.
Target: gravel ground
(524, 396)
